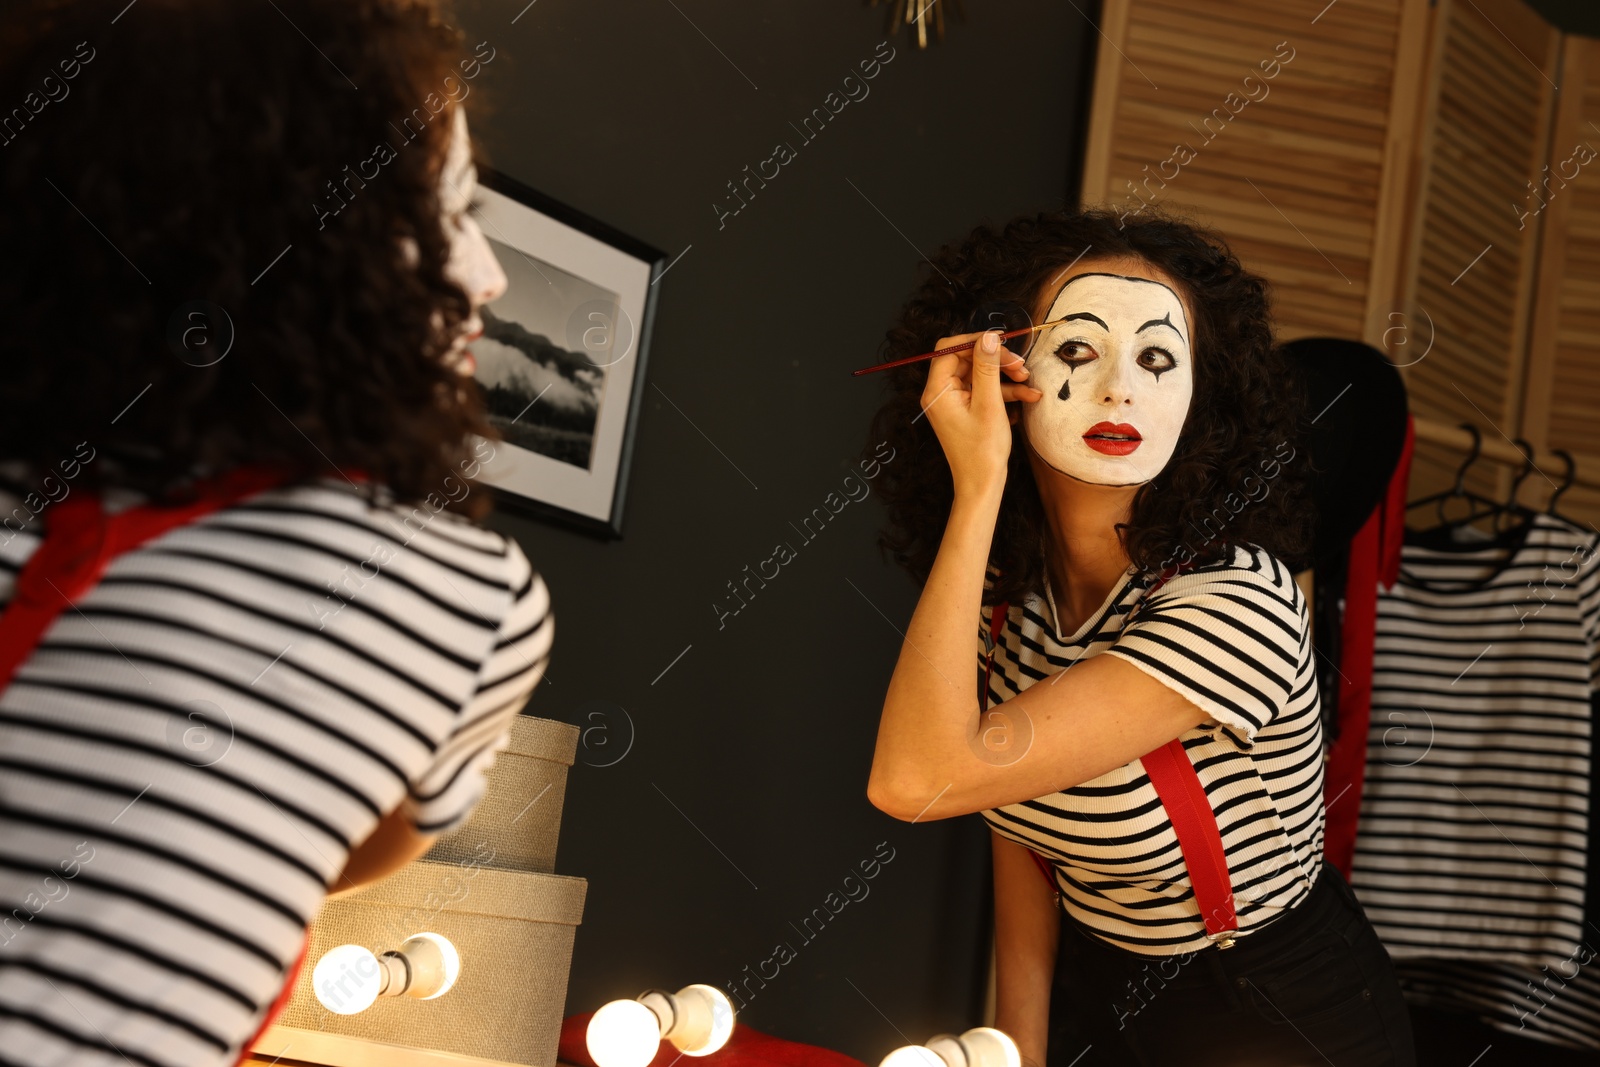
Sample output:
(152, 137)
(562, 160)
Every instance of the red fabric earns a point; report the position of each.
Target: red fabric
(277, 1005)
(80, 543)
(1374, 562)
(1181, 793)
(1044, 869)
(745, 1048)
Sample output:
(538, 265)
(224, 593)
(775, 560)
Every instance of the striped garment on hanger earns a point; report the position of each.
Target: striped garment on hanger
(1474, 816)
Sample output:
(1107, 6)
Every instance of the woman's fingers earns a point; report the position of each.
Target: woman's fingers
(1014, 366)
(1010, 391)
(973, 423)
(986, 373)
(947, 364)
(954, 369)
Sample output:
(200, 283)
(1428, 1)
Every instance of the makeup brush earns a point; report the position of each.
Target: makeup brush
(1008, 335)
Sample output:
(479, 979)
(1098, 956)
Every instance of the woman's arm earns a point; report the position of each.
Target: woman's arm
(391, 846)
(1027, 925)
(1087, 720)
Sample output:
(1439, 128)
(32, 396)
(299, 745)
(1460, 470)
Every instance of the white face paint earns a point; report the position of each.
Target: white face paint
(1116, 379)
(472, 264)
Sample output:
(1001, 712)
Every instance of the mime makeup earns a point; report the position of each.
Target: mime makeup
(1117, 378)
(472, 264)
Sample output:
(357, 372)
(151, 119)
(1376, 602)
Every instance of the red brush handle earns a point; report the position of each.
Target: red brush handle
(1008, 335)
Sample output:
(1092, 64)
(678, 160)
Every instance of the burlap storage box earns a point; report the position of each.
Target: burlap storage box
(514, 931)
(519, 819)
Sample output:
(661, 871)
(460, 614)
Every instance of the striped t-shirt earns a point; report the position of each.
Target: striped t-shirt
(1557, 1003)
(1474, 815)
(1474, 851)
(189, 756)
(1234, 638)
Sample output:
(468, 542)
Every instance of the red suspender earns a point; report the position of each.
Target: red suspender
(1186, 804)
(80, 541)
(1199, 839)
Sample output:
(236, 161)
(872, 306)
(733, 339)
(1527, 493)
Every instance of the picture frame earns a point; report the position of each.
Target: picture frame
(562, 358)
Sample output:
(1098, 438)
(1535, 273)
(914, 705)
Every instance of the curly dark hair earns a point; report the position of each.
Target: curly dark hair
(190, 151)
(1246, 418)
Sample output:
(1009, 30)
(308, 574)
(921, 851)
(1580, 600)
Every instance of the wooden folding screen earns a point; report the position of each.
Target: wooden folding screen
(1296, 124)
(1561, 408)
(1471, 258)
(1373, 159)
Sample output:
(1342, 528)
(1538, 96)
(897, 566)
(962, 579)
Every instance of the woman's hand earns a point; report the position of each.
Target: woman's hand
(965, 401)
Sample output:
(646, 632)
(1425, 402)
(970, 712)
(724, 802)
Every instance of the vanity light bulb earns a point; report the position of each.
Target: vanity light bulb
(706, 1020)
(348, 979)
(623, 1033)
(697, 1020)
(435, 965)
(913, 1056)
(982, 1046)
(987, 1047)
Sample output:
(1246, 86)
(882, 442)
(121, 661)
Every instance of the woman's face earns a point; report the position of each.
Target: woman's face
(1117, 376)
(472, 264)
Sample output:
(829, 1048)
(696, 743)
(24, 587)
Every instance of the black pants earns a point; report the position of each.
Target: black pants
(1312, 988)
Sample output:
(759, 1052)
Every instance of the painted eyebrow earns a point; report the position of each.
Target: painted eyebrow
(1165, 320)
(1091, 317)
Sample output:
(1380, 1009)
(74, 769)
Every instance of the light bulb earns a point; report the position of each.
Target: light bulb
(988, 1047)
(697, 1019)
(435, 965)
(705, 1020)
(913, 1056)
(624, 1033)
(982, 1046)
(348, 979)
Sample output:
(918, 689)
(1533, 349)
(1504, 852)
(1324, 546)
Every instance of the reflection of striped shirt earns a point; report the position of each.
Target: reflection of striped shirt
(1233, 638)
(1474, 815)
(189, 756)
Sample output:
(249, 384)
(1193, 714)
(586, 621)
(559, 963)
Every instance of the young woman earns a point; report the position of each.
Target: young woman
(1125, 483)
(253, 650)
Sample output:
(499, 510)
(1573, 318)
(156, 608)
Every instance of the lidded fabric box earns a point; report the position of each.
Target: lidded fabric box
(490, 889)
(517, 822)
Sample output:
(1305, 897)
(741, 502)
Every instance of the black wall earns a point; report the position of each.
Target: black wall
(1570, 16)
(741, 804)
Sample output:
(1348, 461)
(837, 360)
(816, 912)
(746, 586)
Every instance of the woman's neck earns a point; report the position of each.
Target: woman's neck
(1085, 556)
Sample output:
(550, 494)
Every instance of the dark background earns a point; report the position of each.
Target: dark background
(1572, 16)
(742, 802)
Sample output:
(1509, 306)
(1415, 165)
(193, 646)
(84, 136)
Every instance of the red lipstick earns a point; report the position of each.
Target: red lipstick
(1112, 438)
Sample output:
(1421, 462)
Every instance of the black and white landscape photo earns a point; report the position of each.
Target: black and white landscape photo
(542, 395)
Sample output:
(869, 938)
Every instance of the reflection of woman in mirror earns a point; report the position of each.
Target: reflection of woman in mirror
(294, 693)
(1129, 490)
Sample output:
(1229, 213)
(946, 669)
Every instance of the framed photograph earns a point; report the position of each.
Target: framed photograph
(562, 358)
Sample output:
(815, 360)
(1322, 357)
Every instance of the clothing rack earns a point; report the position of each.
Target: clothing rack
(1496, 447)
